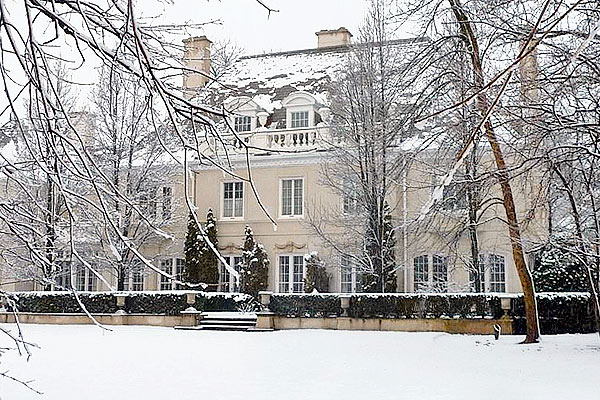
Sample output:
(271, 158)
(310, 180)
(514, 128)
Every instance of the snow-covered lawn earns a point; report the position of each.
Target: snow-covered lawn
(146, 363)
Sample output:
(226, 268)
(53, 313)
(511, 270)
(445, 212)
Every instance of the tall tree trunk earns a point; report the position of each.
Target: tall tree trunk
(531, 315)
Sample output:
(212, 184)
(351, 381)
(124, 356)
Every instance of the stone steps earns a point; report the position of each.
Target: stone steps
(224, 321)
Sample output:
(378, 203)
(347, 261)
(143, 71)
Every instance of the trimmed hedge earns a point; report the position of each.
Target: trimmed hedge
(558, 312)
(167, 302)
(306, 305)
(450, 305)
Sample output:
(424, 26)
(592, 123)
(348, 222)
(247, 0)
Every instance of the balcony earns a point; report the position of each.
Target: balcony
(284, 140)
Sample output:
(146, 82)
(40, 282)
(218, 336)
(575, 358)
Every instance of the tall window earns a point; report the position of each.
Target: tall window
(166, 265)
(86, 280)
(291, 274)
(421, 265)
(292, 197)
(242, 123)
(167, 199)
(233, 199)
(350, 198)
(497, 273)
(472, 274)
(299, 119)
(440, 272)
(134, 280)
(351, 278)
(226, 280)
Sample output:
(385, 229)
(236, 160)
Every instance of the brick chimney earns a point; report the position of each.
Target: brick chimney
(197, 57)
(332, 38)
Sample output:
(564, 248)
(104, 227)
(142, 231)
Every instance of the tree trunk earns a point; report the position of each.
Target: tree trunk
(531, 315)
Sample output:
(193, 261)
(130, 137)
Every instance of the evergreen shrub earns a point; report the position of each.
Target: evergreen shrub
(167, 303)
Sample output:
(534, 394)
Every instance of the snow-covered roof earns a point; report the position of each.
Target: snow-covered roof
(267, 79)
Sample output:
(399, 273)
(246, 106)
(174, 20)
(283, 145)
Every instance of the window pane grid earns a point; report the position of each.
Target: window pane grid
(440, 272)
(286, 197)
(284, 274)
(497, 273)
(243, 123)
(299, 119)
(167, 267)
(298, 274)
(421, 265)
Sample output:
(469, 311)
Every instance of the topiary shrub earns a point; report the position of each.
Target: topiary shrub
(255, 266)
(64, 302)
(317, 277)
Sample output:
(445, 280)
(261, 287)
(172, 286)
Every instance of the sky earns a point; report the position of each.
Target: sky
(249, 25)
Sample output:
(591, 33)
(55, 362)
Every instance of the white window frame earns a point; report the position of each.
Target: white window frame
(291, 258)
(293, 214)
(349, 203)
(233, 217)
(90, 281)
(166, 202)
(431, 282)
(129, 282)
(299, 113)
(355, 276)
(492, 259)
(250, 125)
(227, 281)
(177, 268)
(489, 281)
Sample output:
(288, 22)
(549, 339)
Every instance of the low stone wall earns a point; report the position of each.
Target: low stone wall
(105, 319)
(267, 320)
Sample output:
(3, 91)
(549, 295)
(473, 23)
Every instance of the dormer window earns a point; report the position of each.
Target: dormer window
(299, 119)
(300, 110)
(243, 123)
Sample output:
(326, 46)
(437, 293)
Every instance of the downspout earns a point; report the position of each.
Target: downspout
(404, 230)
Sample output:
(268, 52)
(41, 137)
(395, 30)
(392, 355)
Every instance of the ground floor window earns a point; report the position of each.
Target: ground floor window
(493, 277)
(227, 282)
(166, 265)
(435, 279)
(497, 273)
(291, 274)
(134, 279)
(86, 280)
(350, 277)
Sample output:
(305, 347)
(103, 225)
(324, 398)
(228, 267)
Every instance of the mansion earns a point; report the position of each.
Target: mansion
(281, 110)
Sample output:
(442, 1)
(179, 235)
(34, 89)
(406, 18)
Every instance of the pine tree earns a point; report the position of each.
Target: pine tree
(255, 265)
(201, 264)
(558, 271)
(316, 275)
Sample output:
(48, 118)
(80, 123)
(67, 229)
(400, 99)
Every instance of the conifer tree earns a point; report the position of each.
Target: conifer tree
(255, 265)
(383, 257)
(201, 264)
(558, 271)
(317, 277)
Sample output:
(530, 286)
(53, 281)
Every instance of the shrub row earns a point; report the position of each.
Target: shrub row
(168, 302)
(306, 305)
(388, 305)
(558, 312)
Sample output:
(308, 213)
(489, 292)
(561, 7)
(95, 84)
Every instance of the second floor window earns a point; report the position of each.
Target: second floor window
(233, 199)
(299, 119)
(292, 197)
(242, 123)
(167, 198)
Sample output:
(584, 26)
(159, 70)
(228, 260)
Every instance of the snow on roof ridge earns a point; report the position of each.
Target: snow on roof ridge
(334, 49)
